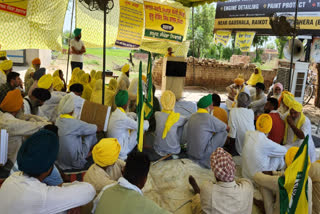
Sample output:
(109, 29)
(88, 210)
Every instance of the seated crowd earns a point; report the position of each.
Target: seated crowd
(47, 138)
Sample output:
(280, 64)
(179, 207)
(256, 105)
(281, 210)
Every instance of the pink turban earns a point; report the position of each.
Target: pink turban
(222, 165)
(278, 85)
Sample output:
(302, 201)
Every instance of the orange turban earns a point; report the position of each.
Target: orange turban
(36, 61)
(239, 81)
(12, 102)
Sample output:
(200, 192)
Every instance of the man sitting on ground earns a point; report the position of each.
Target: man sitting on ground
(126, 196)
(226, 196)
(241, 120)
(31, 104)
(25, 192)
(107, 168)
(76, 137)
(36, 77)
(122, 127)
(259, 153)
(76, 91)
(218, 112)
(259, 100)
(13, 81)
(205, 133)
(277, 132)
(234, 90)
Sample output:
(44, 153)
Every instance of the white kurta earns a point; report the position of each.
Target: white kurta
(306, 129)
(18, 129)
(257, 104)
(125, 78)
(24, 194)
(124, 129)
(261, 154)
(50, 107)
(240, 121)
(78, 104)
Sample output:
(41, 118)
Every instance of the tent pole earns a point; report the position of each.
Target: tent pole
(104, 50)
(294, 37)
(193, 46)
(69, 40)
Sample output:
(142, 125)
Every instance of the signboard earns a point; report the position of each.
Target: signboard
(14, 6)
(130, 24)
(164, 22)
(244, 40)
(254, 15)
(222, 36)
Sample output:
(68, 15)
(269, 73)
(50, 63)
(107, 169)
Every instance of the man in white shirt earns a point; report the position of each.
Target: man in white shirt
(241, 120)
(77, 50)
(31, 104)
(25, 192)
(259, 153)
(123, 127)
(225, 196)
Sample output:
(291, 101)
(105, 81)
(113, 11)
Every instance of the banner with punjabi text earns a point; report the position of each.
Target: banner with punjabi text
(244, 40)
(131, 22)
(163, 22)
(14, 6)
(222, 37)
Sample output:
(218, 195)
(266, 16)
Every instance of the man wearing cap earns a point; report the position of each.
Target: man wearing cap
(77, 50)
(124, 77)
(123, 127)
(167, 140)
(17, 128)
(259, 100)
(76, 137)
(5, 69)
(259, 153)
(25, 192)
(37, 99)
(107, 168)
(269, 186)
(225, 196)
(28, 77)
(204, 133)
(13, 81)
(297, 127)
(241, 120)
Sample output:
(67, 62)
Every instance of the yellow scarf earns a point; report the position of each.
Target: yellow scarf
(301, 121)
(171, 120)
(255, 78)
(122, 110)
(236, 98)
(67, 116)
(202, 110)
(2, 71)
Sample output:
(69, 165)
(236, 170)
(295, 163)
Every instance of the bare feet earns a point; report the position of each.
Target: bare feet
(194, 184)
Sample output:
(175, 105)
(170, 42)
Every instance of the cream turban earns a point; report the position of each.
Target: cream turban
(66, 104)
(106, 152)
(45, 81)
(264, 123)
(168, 100)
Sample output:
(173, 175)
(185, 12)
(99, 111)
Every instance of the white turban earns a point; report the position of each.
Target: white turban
(66, 104)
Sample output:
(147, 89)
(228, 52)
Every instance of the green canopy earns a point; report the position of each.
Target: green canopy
(193, 3)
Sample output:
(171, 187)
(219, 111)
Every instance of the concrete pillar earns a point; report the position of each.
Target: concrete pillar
(43, 54)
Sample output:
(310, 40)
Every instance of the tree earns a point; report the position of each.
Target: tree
(271, 46)
(281, 42)
(257, 42)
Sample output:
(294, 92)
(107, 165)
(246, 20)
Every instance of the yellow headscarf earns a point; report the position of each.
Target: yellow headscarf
(87, 90)
(291, 153)
(56, 73)
(45, 81)
(98, 75)
(57, 84)
(168, 101)
(113, 84)
(125, 68)
(295, 105)
(106, 152)
(255, 78)
(93, 73)
(74, 76)
(264, 123)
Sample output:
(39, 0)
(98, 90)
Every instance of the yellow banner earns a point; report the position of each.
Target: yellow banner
(222, 37)
(15, 7)
(303, 23)
(244, 40)
(163, 22)
(130, 24)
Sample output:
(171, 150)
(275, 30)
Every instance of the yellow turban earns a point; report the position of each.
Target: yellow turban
(57, 83)
(295, 105)
(239, 81)
(113, 84)
(288, 100)
(45, 81)
(125, 68)
(144, 78)
(76, 71)
(12, 102)
(106, 152)
(6, 65)
(168, 100)
(291, 153)
(84, 79)
(36, 61)
(264, 123)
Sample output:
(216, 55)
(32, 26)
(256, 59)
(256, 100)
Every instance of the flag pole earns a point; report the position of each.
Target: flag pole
(69, 41)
